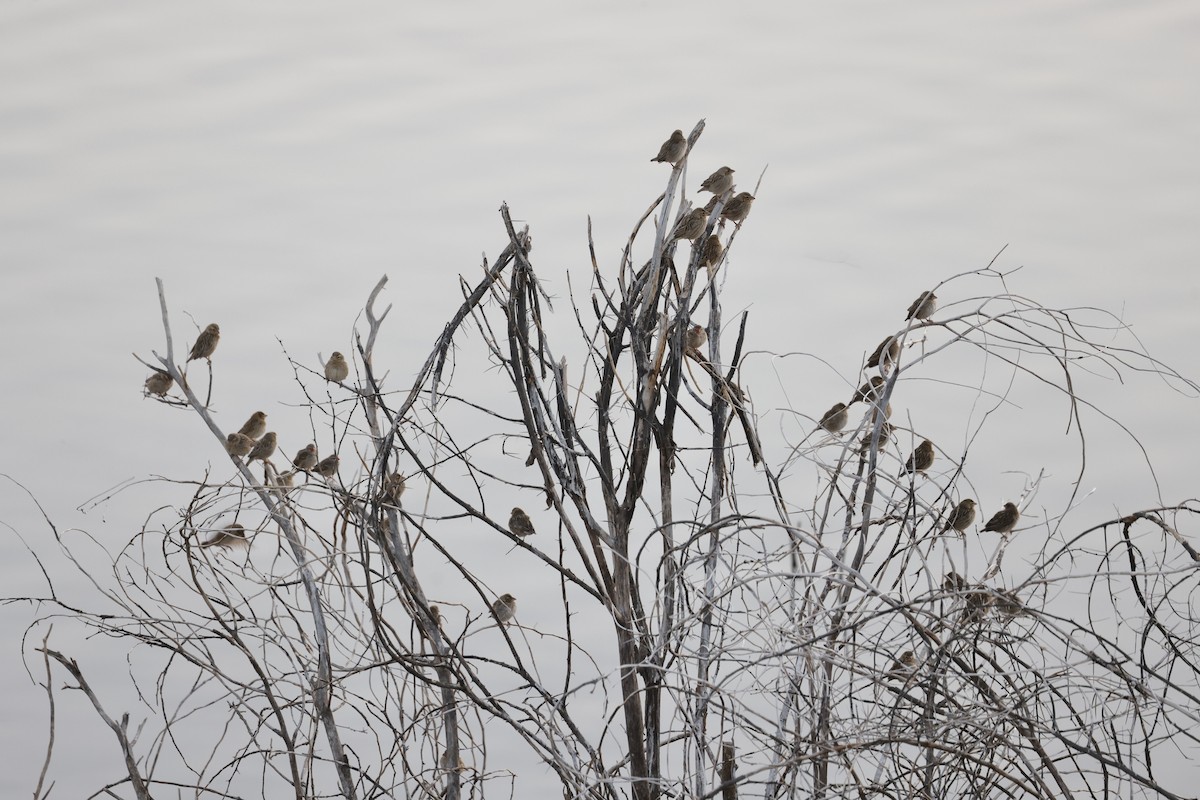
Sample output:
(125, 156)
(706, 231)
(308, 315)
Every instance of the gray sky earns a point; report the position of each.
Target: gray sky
(270, 163)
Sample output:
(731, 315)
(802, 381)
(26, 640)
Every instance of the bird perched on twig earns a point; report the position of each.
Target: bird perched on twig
(327, 467)
(230, 536)
(505, 608)
(696, 338)
(886, 354)
(738, 208)
(206, 342)
(256, 426)
(962, 516)
(835, 418)
(1004, 520)
(264, 448)
(903, 666)
(336, 368)
(692, 225)
(391, 488)
(719, 182)
(923, 307)
(954, 582)
(921, 458)
(520, 524)
(238, 444)
(159, 383)
(885, 436)
(306, 459)
(710, 254)
(672, 149)
(869, 392)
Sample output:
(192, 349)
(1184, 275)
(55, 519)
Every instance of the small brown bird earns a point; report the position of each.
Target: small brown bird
(712, 251)
(904, 665)
(696, 338)
(923, 307)
(886, 354)
(328, 466)
(692, 225)
(979, 599)
(238, 444)
(159, 383)
(962, 516)
(954, 582)
(921, 458)
(283, 481)
(672, 149)
(505, 608)
(712, 203)
(738, 208)
(869, 392)
(264, 448)
(436, 613)
(391, 489)
(206, 342)
(885, 436)
(444, 763)
(336, 369)
(230, 536)
(835, 418)
(1008, 603)
(256, 426)
(306, 459)
(719, 182)
(520, 524)
(1004, 520)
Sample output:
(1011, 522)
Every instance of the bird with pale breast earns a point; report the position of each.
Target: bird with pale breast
(264, 448)
(230, 536)
(719, 182)
(520, 524)
(206, 343)
(738, 208)
(306, 459)
(505, 608)
(692, 225)
(962, 516)
(256, 426)
(336, 368)
(835, 418)
(672, 149)
(159, 383)
(1004, 520)
(921, 458)
(695, 338)
(710, 254)
(328, 466)
(391, 487)
(923, 307)
(238, 444)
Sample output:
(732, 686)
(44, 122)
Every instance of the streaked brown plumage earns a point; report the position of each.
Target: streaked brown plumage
(672, 149)
(336, 369)
(1008, 603)
(206, 342)
(719, 182)
(256, 426)
(962, 516)
(954, 582)
(923, 307)
(520, 524)
(738, 207)
(696, 338)
(159, 383)
(327, 467)
(869, 392)
(306, 459)
(230, 536)
(885, 436)
(887, 353)
(1004, 520)
(391, 489)
(904, 665)
(238, 444)
(921, 458)
(712, 251)
(835, 418)
(264, 448)
(505, 608)
(692, 225)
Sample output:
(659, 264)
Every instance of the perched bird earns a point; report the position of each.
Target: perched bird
(283, 481)
(921, 458)
(264, 448)
(444, 763)
(869, 392)
(672, 149)
(954, 582)
(206, 342)
(835, 418)
(1004, 520)
(256, 426)
(520, 524)
(306, 459)
(979, 599)
(336, 369)
(904, 665)
(391, 488)
(719, 182)
(886, 354)
(328, 466)
(436, 613)
(738, 208)
(923, 307)
(692, 225)
(962, 516)
(1008, 603)
(696, 338)
(712, 203)
(159, 383)
(710, 254)
(230, 536)
(505, 608)
(238, 444)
